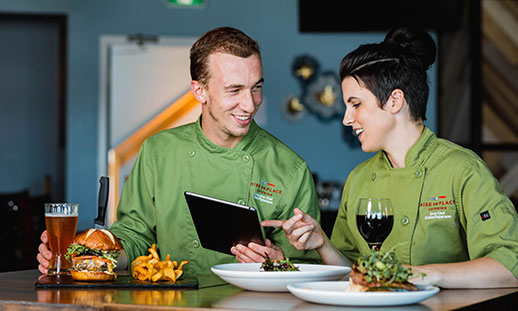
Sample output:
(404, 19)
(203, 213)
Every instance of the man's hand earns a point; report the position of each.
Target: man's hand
(302, 230)
(44, 254)
(254, 252)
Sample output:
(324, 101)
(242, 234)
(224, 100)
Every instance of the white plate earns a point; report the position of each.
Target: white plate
(333, 293)
(249, 276)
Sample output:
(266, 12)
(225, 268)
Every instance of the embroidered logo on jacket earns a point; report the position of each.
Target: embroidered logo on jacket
(485, 215)
(265, 191)
(437, 207)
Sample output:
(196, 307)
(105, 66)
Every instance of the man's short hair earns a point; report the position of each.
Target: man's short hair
(223, 40)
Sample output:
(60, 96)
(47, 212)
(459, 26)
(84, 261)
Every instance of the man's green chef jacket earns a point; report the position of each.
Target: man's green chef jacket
(259, 171)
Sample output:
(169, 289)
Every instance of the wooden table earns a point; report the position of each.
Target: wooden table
(17, 292)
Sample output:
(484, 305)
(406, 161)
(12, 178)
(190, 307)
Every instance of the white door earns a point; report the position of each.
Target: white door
(137, 83)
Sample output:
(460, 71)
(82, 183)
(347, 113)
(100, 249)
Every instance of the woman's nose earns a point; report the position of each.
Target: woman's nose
(348, 119)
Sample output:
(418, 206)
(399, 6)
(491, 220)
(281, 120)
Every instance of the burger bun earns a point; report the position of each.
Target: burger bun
(91, 276)
(100, 239)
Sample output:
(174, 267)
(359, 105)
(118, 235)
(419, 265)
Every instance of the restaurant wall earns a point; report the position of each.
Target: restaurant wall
(32, 148)
(273, 23)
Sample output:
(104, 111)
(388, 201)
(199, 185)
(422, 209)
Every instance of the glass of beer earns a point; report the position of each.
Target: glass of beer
(61, 222)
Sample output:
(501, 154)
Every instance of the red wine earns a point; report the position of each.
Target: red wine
(373, 229)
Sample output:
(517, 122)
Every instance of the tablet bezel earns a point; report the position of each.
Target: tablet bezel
(222, 224)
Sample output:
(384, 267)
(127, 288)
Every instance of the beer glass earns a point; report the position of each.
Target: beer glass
(61, 222)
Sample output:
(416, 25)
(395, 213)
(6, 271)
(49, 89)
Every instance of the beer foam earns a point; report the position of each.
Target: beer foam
(60, 215)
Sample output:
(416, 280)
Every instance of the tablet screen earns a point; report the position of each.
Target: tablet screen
(221, 224)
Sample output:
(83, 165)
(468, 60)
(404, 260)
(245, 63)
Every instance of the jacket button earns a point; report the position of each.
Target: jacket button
(405, 220)
(195, 244)
(192, 153)
(418, 174)
(241, 202)
(373, 176)
(246, 158)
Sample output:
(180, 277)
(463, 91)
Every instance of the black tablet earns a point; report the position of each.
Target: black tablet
(222, 224)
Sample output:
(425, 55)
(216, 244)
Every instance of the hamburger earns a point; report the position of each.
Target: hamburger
(379, 271)
(94, 255)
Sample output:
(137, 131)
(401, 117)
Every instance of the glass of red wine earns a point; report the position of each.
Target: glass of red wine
(374, 219)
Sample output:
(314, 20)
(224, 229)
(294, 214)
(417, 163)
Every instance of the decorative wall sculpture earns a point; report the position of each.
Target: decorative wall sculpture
(321, 94)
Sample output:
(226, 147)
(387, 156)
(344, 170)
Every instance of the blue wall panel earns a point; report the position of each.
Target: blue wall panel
(273, 23)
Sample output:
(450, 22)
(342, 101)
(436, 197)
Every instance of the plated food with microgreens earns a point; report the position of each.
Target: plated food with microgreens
(278, 265)
(380, 271)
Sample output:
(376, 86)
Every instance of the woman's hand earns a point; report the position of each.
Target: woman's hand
(303, 232)
(482, 272)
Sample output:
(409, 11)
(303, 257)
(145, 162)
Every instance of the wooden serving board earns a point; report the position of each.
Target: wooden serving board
(122, 281)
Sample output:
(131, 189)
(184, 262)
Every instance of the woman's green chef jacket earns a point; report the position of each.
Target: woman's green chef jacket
(259, 171)
(447, 206)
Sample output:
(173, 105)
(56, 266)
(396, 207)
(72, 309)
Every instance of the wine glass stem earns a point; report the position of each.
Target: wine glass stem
(375, 246)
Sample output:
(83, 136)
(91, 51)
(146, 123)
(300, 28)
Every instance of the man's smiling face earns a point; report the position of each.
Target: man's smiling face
(231, 97)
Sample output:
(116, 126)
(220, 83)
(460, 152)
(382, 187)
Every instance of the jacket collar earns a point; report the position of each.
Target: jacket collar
(242, 145)
(420, 151)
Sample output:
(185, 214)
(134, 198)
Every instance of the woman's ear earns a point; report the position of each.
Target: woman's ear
(396, 100)
(198, 90)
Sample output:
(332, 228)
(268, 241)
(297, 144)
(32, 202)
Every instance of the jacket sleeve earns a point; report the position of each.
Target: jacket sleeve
(490, 219)
(300, 194)
(341, 236)
(136, 223)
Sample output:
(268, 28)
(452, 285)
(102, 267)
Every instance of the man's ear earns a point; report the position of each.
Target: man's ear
(396, 100)
(198, 90)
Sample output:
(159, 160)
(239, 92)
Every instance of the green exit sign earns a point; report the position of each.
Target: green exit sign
(186, 3)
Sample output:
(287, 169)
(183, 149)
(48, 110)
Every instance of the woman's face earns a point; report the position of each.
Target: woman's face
(363, 113)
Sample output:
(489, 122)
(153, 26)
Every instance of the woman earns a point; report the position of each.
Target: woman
(451, 219)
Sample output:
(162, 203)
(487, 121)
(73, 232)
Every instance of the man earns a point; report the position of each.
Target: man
(223, 155)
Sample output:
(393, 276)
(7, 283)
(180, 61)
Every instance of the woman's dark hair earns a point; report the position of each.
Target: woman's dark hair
(399, 62)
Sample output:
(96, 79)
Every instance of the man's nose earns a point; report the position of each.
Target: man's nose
(248, 103)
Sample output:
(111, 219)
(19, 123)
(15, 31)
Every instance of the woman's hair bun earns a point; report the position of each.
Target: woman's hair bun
(415, 42)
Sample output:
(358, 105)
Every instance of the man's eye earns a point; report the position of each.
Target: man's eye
(257, 88)
(234, 91)
(356, 105)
